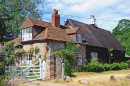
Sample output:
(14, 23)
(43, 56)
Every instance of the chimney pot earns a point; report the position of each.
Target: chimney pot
(55, 18)
(54, 11)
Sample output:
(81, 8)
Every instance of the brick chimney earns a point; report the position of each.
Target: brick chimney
(55, 18)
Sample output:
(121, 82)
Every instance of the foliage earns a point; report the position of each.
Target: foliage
(67, 55)
(13, 51)
(95, 66)
(2, 74)
(33, 50)
(122, 34)
(12, 13)
(67, 67)
(128, 61)
(37, 59)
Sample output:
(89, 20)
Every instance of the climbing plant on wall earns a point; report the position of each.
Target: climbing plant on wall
(67, 54)
(13, 52)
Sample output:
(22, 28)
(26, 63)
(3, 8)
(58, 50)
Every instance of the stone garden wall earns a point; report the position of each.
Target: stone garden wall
(53, 65)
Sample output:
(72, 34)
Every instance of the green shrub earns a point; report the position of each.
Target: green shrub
(124, 65)
(95, 66)
(106, 67)
(67, 67)
(2, 75)
(128, 61)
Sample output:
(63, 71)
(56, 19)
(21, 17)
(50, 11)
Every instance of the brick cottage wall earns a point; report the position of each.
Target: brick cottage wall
(42, 50)
(81, 50)
(50, 65)
(53, 63)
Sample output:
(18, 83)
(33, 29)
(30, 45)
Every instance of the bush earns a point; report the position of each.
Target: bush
(2, 75)
(95, 66)
(67, 67)
(128, 61)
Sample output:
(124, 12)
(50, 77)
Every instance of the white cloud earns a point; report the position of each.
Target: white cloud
(101, 9)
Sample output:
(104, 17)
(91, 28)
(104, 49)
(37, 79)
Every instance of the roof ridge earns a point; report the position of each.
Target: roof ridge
(38, 19)
(88, 24)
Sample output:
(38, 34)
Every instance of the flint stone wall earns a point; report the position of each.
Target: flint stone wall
(53, 65)
(58, 66)
(41, 47)
(55, 45)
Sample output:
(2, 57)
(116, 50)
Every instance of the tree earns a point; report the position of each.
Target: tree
(122, 34)
(12, 13)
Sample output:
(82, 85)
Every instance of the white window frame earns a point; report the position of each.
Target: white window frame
(79, 38)
(79, 59)
(27, 34)
(27, 59)
(94, 55)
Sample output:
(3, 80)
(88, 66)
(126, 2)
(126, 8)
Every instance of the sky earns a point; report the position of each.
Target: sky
(107, 12)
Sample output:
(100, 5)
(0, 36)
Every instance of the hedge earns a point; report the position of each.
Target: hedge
(95, 66)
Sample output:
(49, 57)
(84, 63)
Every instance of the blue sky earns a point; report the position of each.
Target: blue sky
(102, 9)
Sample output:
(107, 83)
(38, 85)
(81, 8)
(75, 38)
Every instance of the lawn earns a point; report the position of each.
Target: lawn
(93, 78)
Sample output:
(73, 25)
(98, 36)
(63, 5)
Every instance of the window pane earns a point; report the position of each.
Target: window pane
(27, 34)
(94, 55)
(79, 38)
(30, 58)
(26, 58)
(79, 59)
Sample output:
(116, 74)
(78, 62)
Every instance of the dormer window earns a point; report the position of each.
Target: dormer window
(79, 38)
(27, 34)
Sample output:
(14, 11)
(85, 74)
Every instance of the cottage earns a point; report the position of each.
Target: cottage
(98, 41)
(93, 41)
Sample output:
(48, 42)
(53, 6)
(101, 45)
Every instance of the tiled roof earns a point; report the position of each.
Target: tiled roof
(18, 39)
(72, 30)
(50, 32)
(96, 36)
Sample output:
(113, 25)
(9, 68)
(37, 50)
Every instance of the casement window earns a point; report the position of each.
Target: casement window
(94, 55)
(27, 34)
(27, 59)
(79, 38)
(79, 59)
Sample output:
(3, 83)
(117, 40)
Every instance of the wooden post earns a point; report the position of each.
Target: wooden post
(62, 71)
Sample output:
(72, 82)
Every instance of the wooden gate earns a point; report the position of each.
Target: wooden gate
(27, 73)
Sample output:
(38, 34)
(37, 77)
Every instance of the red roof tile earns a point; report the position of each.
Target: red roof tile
(50, 32)
(53, 33)
(72, 30)
(18, 39)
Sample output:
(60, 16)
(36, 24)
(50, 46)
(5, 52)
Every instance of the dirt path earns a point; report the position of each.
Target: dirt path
(92, 80)
(98, 78)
